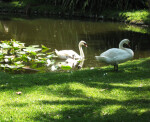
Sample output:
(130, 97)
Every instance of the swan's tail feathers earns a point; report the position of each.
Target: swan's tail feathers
(101, 58)
(97, 58)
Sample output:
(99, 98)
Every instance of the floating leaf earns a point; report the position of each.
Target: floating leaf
(21, 52)
(11, 57)
(15, 44)
(5, 46)
(11, 66)
(44, 50)
(34, 46)
(22, 45)
(40, 61)
(32, 49)
(16, 56)
(65, 67)
(44, 47)
(33, 53)
(1, 54)
(41, 54)
(49, 56)
(18, 63)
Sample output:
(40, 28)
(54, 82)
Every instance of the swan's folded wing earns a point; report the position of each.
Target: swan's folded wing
(68, 54)
(122, 58)
(113, 52)
(116, 55)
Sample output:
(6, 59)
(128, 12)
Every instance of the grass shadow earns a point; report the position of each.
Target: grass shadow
(84, 110)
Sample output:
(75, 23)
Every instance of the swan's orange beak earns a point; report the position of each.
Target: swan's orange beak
(85, 45)
(129, 44)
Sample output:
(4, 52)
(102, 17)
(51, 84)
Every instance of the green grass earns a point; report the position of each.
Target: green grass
(130, 16)
(87, 95)
(139, 16)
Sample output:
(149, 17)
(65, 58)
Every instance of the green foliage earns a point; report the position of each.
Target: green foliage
(65, 67)
(142, 16)
(14, 55)
(129, 16)
(95, 6)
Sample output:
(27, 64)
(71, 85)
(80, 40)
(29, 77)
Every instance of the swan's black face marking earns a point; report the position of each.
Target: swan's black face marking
(126, 43)
(129, 44)
(85, 44)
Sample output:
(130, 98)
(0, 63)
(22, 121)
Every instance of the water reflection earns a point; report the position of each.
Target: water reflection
(66, 34)
(68, 64)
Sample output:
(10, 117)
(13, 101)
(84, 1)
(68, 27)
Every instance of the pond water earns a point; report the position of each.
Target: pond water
(66, 34)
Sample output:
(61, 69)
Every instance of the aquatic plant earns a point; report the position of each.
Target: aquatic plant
(14, 55)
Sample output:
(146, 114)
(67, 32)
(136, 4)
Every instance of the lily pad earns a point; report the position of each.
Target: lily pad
(44, 47)
(34, 46)
(65, 67)
(32, 49)
(5, 46)
(14, 56)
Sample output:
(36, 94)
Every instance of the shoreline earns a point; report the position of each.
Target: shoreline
(133, 17)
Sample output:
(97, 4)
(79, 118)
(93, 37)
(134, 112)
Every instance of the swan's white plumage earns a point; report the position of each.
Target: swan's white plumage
(114, 56)
(65, 54)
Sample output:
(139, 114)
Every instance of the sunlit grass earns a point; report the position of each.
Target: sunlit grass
(128, 16)
(139, 16)
(15, 3)
(99, 94)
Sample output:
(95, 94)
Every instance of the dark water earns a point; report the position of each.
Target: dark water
(66, 34)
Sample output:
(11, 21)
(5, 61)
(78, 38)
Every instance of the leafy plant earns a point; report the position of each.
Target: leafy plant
(15, 56)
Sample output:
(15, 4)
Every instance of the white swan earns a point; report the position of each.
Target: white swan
(65, 54)
(114, 56)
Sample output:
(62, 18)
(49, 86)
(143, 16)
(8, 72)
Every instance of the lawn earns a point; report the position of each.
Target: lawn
(98, 94)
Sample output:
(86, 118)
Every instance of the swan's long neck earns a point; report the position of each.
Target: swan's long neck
(81, 51)
(121, 45)
(126, 49)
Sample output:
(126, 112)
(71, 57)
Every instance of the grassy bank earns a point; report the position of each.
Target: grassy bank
(139, 17)
(86, 95)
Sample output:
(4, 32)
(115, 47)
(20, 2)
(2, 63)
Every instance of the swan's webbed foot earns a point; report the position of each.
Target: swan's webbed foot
(116, 67)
